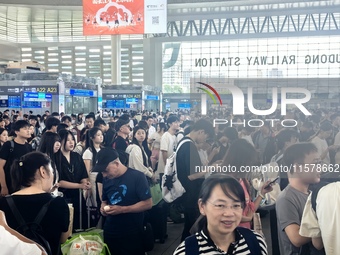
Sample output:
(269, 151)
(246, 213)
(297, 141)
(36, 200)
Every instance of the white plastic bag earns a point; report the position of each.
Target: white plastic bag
(82, 246)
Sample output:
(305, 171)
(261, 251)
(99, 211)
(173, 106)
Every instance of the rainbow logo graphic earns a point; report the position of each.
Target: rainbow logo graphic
(209, 93)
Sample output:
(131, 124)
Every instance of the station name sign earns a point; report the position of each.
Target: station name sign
(267, 60)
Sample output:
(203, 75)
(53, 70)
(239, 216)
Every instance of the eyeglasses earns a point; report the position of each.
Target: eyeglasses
(223, 207)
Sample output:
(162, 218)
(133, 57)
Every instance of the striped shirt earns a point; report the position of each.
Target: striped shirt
(239, 247)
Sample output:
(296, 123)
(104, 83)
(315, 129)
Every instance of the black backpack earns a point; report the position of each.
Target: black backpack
(31, 230)
(315, 191)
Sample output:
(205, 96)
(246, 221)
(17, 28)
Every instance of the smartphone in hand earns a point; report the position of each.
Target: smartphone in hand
(272, 182)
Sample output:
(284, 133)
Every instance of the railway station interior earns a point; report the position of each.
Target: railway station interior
(194, 64)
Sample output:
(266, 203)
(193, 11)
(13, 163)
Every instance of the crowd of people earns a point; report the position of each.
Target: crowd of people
(110, 166)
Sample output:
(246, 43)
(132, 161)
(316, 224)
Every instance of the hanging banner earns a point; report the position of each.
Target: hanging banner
(110, 17)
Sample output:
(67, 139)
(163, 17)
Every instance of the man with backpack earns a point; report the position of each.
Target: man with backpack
(302, 159)
(320, 220)
(168, 144)
(12, 150)
(187, 158)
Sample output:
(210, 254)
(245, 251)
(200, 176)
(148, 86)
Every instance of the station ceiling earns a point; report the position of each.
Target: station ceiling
(208, 2)
(56, 10)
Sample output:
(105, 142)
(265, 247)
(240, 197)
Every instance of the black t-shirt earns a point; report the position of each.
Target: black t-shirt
(185, 167)
(73, 171)
(220, 155)
(55, 221)
(120, 143)
(9, 127)
(99, 179)
(9, 154)
(128, 189)
(109, 138)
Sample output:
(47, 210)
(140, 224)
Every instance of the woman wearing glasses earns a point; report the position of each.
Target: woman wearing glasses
(221, 204)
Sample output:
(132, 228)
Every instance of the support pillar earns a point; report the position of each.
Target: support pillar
(116, 59)
(153, 67)
(204, 104)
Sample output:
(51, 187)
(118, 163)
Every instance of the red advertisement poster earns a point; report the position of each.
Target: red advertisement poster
(103, 17)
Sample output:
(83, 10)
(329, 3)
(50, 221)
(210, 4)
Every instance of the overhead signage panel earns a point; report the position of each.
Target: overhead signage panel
(108, 17)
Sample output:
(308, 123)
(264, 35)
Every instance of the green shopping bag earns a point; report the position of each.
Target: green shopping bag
(80, 243)
(156, 193)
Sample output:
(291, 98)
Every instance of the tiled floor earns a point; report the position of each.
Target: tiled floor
(171, 243)
(175, 231)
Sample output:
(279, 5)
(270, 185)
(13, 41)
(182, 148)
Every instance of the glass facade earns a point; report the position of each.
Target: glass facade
(220, 62)
(75, 104)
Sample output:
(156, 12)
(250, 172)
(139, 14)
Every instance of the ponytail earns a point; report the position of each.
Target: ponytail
(90, 135)
(17, 175)
(23, 170)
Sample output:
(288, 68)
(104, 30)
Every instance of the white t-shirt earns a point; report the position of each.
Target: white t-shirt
(203, 156)
(88, 154)
(169, 144)
(131, 123)
(92, 176)
(156, 140)
(326, 222)
(151, 130)
(321, 145)
(10, 245)
(180, 135)
(81, 126)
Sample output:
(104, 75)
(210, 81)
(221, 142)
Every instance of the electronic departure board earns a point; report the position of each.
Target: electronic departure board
(14, 101)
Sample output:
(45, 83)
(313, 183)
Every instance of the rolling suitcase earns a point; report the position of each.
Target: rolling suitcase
(93, 214)
(158, 219)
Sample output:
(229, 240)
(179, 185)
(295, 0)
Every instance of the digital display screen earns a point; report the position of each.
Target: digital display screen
(14, 102)
(184, 105)
(30, 104)
(115, 104)
(152, 97)
(131, 101)
(37, 97)
(81, 92)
